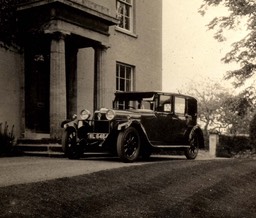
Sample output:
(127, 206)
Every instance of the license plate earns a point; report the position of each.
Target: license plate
(100, 136)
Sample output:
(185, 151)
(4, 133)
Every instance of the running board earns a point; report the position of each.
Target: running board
(171, 146)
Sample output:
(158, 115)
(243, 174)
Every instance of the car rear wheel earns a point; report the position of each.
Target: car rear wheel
(69, 145)
(192, 151)
(128, 145)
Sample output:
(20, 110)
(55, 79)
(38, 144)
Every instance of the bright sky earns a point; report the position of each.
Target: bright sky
(189, 49)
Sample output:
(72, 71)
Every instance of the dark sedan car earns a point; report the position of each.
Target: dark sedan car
(138, 124)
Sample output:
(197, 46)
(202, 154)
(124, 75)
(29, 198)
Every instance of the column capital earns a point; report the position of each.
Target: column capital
(102, 47)
(58, 34)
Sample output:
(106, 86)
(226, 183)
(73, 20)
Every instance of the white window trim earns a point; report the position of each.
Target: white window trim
(132, 75)
(124, 30)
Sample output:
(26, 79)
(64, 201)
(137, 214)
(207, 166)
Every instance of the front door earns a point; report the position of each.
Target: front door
(37, 85)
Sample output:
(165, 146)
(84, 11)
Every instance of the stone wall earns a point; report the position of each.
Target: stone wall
(11, 93)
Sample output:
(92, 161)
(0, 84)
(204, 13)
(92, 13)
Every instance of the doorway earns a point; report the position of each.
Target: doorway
(37, 85)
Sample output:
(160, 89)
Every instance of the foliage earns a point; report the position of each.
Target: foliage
(241, 12)
(238, 111)
(221, 111)
(253, 131)
(231, 145)
(210, 97)
(8, 21)
(6, 139)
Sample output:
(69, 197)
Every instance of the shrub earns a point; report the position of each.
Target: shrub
(252, 131)
(230, 145)
(6, 139)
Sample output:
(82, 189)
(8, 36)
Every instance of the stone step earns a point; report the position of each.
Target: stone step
(40, 149)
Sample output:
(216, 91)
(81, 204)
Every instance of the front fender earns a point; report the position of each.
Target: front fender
(137, 125)
(124, 125)
(69, 123)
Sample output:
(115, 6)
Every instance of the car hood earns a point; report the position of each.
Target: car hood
(131, 113)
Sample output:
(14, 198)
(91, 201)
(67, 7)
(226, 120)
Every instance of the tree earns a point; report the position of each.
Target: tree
(8, 21)
(219, 109)
(237, 111)
(244, 50)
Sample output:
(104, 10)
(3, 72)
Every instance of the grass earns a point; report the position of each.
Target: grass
(175, 188)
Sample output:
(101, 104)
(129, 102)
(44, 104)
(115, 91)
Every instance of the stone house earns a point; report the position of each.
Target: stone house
(74, 54)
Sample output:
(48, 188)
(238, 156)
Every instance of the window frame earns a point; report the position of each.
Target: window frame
(179, 103)
(130, 17)
(129, 78)
(126, 78)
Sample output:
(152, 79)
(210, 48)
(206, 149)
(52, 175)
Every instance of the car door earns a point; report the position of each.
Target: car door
(159, 128)
(169, 124)
(171, 120)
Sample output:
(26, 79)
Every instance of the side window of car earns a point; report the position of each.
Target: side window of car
(179, 105)
(164, 104)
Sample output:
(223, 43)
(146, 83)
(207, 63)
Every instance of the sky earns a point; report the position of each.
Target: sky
(189, 50)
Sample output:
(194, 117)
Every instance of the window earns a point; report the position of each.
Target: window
(179, 105)
(125, 14)
(165, 104)
(124, 78)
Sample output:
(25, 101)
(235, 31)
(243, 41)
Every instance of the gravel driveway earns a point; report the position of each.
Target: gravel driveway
(26, 169)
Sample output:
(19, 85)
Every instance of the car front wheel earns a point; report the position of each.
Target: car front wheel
(192, 151)
(69, 145)
(128, 145)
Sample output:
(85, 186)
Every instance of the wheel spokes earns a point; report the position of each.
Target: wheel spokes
(71, 139)
(131, 145)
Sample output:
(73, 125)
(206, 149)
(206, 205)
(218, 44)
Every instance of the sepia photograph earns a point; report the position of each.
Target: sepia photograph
(128, 108)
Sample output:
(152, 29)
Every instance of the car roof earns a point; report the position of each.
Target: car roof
(146, 94)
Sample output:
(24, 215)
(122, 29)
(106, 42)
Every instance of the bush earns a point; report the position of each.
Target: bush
(6, 139)
(252, 131)
(231, 145)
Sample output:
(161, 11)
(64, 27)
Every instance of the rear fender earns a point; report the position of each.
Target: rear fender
(197, 130)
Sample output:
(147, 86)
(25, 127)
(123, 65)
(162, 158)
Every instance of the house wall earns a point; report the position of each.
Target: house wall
(142, 49)
(11, 91)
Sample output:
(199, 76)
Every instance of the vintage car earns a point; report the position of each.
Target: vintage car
(139, 124)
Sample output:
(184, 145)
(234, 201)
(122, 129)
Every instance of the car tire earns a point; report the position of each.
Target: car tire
(128, 145)
(192, 152)
(69, 145)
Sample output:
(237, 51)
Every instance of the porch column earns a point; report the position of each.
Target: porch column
(58, 101)
(99, 76)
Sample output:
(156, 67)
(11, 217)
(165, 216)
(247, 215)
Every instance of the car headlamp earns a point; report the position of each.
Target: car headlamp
(110, 114)
(85, 114)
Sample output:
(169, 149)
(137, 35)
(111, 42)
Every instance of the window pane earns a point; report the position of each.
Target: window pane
(126, 11)
(179, 105)
(128, 74)
(128, 83)
(117, 70)
(122, 71)
(117, 85)
(122, 85)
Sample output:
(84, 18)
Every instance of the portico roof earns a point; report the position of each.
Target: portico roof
(84, 6)
(78, 17)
